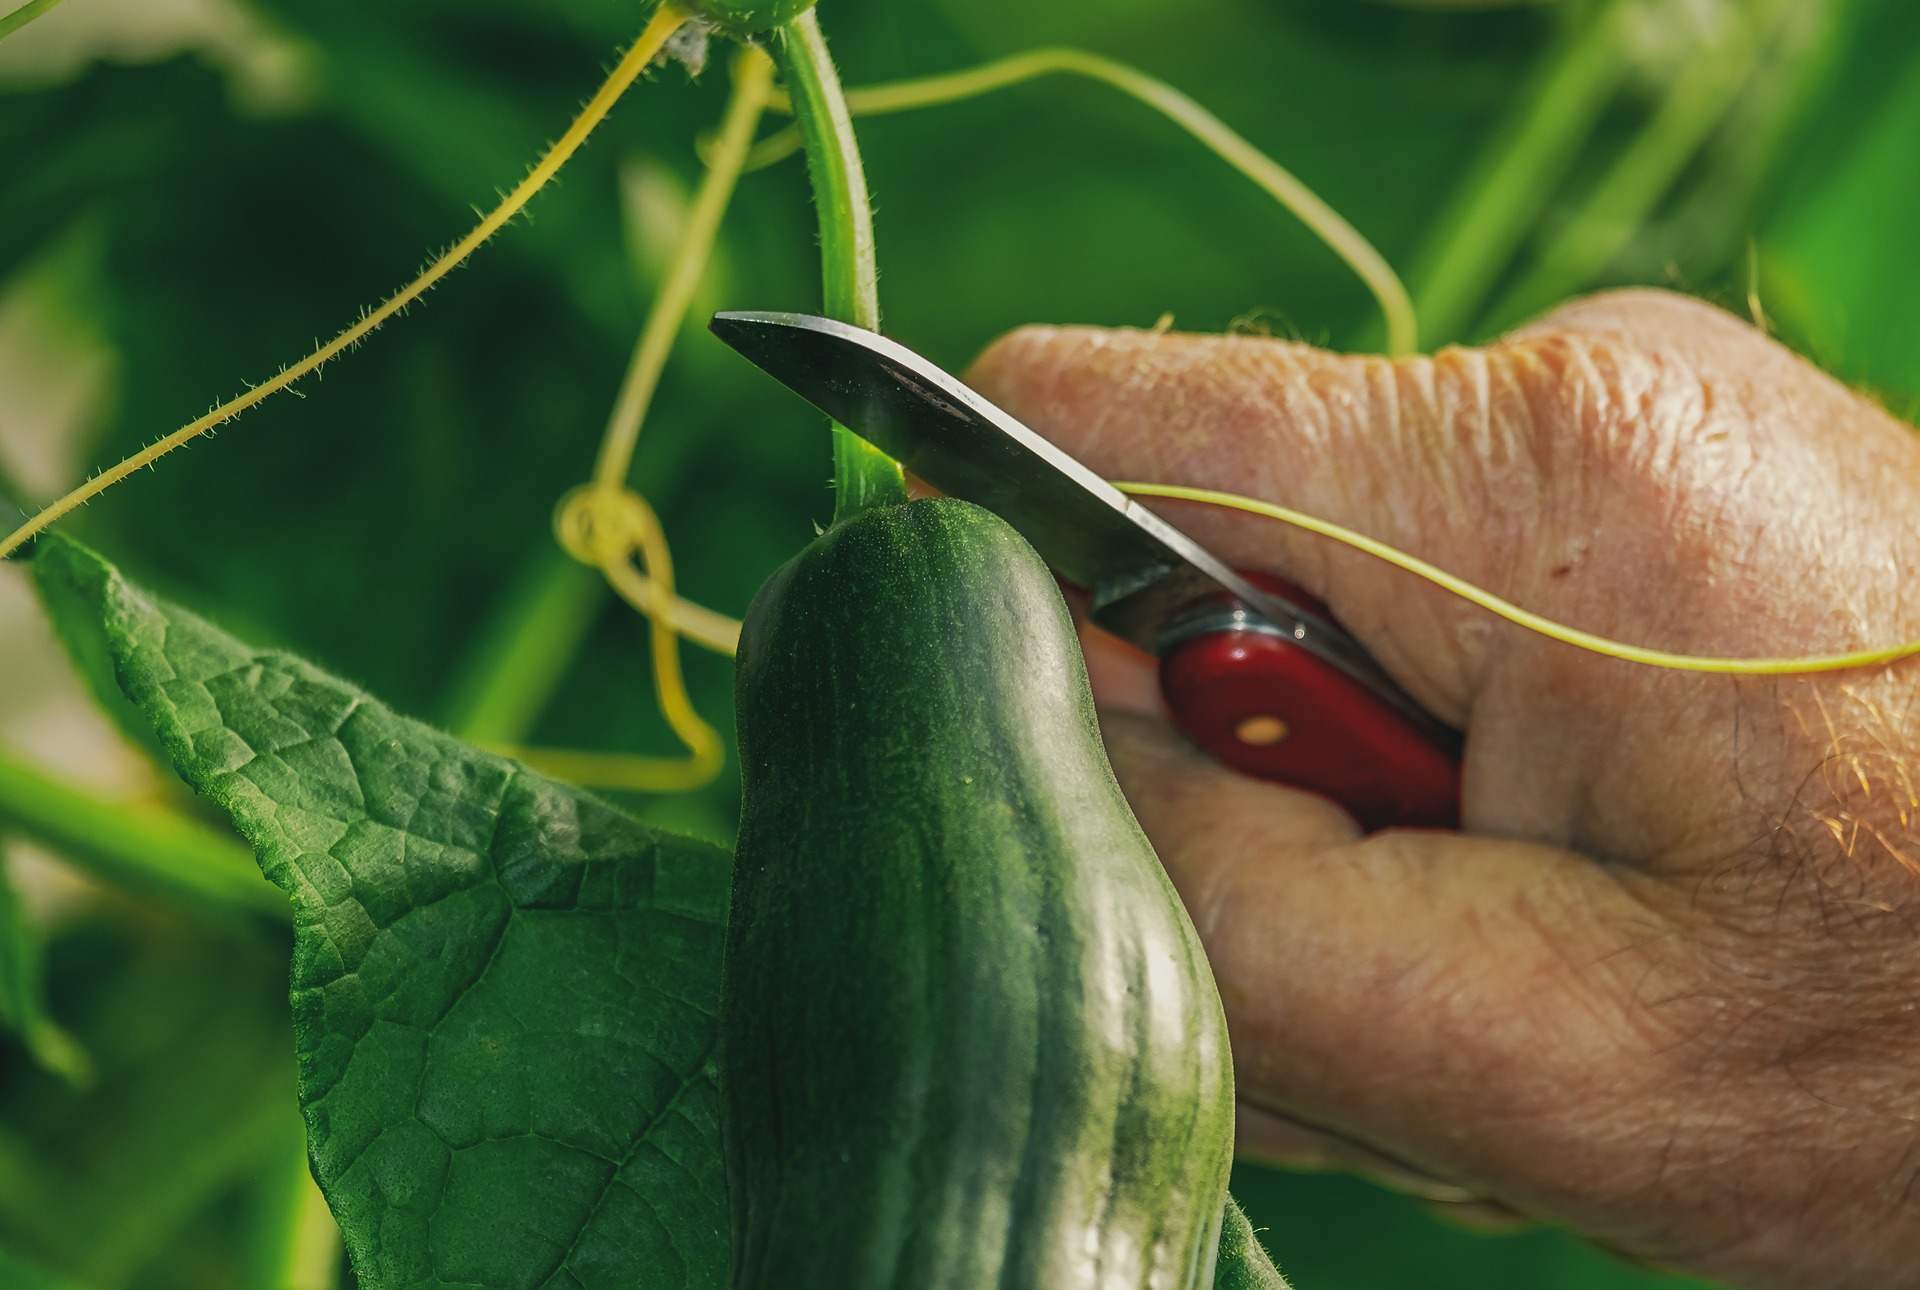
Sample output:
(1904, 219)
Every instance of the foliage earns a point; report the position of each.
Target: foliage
(504, 991)
(205, 225)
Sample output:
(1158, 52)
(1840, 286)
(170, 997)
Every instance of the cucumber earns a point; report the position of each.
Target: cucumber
(968, 1035)
(748, 17)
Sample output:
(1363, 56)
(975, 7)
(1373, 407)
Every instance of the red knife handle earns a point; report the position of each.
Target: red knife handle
(1266, 707)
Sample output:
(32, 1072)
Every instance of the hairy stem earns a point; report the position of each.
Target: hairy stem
(1697, 102)
(752, 87)
(863, 476)
(534, 635)
(666, 20)
(1477, 234)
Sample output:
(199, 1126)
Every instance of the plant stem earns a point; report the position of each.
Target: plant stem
(1693, 107)
(752, 87)
(25, 14)
(863, 476)
(23, 995)
(1476, 236)
(137, 846)
(306, 1255)
(314, 1255)
(524, 649)
(1874, 656)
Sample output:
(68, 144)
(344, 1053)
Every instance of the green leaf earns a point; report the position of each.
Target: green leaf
(503, 989)
(1243, 1264)
(77, 625)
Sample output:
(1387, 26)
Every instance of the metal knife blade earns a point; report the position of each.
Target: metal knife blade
(1140, 569)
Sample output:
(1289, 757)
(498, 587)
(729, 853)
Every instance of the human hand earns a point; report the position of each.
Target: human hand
(1664, 987)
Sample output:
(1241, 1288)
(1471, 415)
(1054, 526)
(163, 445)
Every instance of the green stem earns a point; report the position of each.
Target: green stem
(863, 476)
(314, 1256)
(1477, 235)
(524, 649)
(1693, 107)
(135, 846)
(25, 14)
(23, 994)
(1717, 214)
(300, 1243)
(752, 84)
(151, 1217)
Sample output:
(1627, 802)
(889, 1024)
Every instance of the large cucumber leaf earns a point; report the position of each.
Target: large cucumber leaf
(503, 989)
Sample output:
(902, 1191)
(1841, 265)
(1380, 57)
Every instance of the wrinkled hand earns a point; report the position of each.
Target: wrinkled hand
(1665, 985)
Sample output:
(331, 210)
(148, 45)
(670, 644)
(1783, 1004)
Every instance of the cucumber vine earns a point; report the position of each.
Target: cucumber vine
(863, 476)
(609, 527)
(1396, 307)
(26, 13)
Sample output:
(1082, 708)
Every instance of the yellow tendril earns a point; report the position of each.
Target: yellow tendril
(606, 525)
(1513, 613)
(666, 20)
(752, 89)
(1279, 183)
(607, 528)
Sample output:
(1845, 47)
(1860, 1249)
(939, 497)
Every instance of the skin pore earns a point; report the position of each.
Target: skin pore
(1662, 987)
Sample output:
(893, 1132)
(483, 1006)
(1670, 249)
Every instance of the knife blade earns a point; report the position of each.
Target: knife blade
(1150, 584)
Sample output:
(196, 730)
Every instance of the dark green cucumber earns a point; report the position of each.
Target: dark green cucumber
(748, 17)
(968, 1035)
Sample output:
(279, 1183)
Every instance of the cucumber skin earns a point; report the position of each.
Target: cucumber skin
(968, 1035)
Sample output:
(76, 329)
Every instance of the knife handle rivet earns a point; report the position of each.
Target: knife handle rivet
(1261, 731)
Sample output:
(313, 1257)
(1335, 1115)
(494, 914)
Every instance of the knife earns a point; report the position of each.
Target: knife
(1254, 670)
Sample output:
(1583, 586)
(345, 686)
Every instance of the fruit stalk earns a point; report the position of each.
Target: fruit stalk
(863, 476)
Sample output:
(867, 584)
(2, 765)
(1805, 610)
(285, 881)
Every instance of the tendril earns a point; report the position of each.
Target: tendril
(1223, 141)
(1526, 618)
(666, 20)
(607, 526)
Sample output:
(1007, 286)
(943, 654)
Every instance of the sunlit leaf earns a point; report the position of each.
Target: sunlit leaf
(503, 989)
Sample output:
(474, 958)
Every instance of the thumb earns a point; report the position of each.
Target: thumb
(1507, 1017)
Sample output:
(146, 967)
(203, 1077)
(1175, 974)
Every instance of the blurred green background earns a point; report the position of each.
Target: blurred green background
(192, 192)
